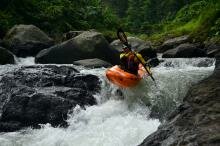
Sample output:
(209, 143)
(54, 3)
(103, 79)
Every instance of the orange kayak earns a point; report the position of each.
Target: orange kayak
(124, 79)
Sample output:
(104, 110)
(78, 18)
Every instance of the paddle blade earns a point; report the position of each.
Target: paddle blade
(122, 37)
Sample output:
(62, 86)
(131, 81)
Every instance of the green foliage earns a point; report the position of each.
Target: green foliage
(135, 14)
(5, 22)
(205, 22)
(149, 19)
(199, 19)
(57, 16)
(110, 20)
(215, 29)
(190, 12)
(118, 6)
(196, 19)
(148, 16)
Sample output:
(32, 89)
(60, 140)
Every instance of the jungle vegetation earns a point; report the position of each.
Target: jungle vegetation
(148, 19)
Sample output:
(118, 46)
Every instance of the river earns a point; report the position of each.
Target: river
(123, 117)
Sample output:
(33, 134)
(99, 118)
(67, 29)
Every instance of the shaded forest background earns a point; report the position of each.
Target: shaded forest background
(149, 19)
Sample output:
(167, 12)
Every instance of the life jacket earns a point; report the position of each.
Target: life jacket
(130, 64)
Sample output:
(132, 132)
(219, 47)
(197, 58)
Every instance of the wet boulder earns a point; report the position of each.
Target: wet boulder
(133, 41)
(185, 51)
(71, 34)
(217, 63)
(34, 95)
(27, 40)
(6, 57)
(144, 48)
(92, 63)
(88, 45)
(147, 52)
(212, 49)
(196, 121)
(172, 43)
(110, 36)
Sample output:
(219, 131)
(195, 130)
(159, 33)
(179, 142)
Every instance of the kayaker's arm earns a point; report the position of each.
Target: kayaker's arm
(143, 62)
(123, 55)
(141, 58)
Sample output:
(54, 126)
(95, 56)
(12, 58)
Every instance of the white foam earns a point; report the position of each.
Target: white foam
(109, 124)
(25, 61)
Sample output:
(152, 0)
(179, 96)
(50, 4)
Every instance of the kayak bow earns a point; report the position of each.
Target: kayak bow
(124, 79)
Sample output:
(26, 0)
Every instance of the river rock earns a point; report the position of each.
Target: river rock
(87, 45)
(92, 63)
(6, 57)
(196, 121)
(27, 40)
(35, 95)
(148, 52)
(133, 41)
(172, 43)
(212, 49)
(71, 34)
(144, 48)
(185, 51)
(217, 62)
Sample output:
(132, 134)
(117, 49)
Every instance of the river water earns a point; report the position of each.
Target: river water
(123, 117)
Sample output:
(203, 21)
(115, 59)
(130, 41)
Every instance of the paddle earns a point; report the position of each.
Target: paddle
(123, 38)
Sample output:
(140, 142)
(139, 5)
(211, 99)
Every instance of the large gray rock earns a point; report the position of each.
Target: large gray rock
(185, 51)
(172, 43)
(26, 40)
(212, 49)
(6, 57)
(87, 45)
(196, 121)
(144, 48)
(71, 34)
(92, 63)
(133, 41)
(35, 95)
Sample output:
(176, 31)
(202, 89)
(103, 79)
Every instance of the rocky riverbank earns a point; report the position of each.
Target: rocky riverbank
(196, 121)
(28, 40)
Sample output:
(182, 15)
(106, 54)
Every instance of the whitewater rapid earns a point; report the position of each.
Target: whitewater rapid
(122, 116)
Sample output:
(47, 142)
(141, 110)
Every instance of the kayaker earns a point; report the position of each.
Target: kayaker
(129, 61)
